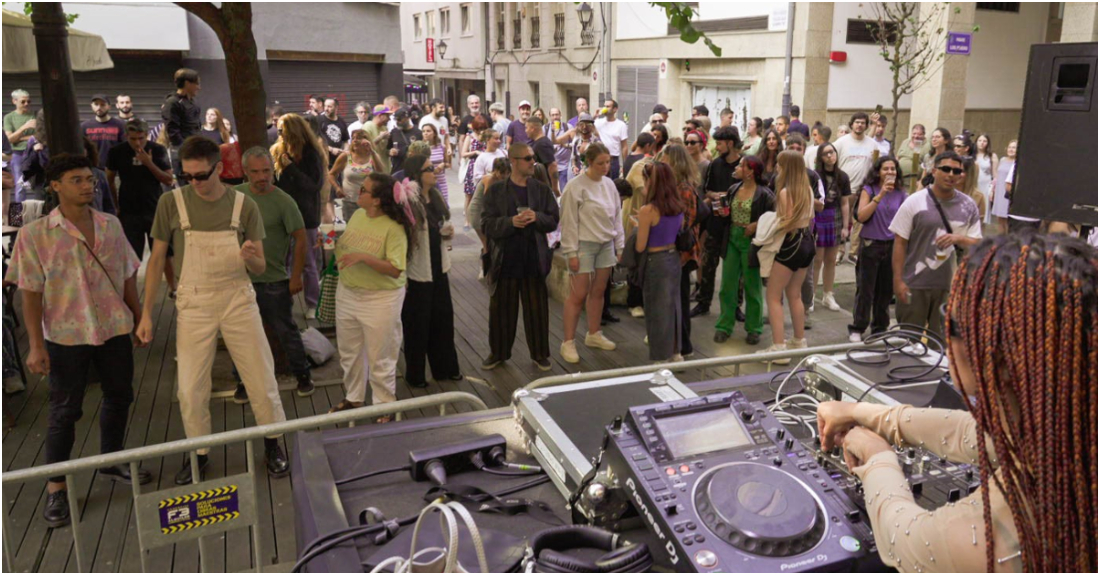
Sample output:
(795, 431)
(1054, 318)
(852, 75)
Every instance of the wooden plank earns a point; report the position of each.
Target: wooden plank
(279, 542)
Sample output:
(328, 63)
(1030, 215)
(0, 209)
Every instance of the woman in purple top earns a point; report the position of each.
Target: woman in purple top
(878, 202)
(659, 221)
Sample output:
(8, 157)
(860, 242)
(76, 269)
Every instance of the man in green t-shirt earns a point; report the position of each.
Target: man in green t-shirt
(217, 236)
(274, 290)
(19, 127)
(379, 133)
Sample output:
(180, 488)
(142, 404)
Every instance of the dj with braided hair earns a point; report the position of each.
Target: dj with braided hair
(1022, 344)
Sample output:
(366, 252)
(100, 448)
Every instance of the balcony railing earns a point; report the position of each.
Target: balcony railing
(559, 30)
(500, 35)
(588, 35)
(536, 32)
(517, 33)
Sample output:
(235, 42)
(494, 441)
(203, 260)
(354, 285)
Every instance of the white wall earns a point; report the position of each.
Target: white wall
(467, 49)
(863, 81)
(160, 26)
(997, 72)
(640, 20)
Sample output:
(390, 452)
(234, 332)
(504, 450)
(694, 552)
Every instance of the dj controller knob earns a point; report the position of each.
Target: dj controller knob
(780, 434)
(747, 415)
(911, 453)
(778, 461)
(789, 443)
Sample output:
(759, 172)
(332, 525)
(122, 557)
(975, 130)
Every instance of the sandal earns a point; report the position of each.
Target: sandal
(384, 419)
(344, 405)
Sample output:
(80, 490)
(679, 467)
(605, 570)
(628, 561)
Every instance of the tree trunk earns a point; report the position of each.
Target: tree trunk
(894, 128)
(55, 71)
(233, 25)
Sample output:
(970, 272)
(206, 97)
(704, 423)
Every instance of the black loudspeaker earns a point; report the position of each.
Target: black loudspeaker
(1056, 177)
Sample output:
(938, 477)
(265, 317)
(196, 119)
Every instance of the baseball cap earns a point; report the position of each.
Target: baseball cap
(525, 103)
(401, 113)
(100, 97)
(661, 109)
(381, 109)
(585, 117)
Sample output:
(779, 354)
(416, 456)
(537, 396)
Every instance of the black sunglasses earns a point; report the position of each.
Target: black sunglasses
(524, 158)
(950, 170)
(198, 177)
(692, 142)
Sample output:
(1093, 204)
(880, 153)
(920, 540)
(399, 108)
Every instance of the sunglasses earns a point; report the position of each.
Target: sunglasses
(198, 177)
(950, 170)
(524, 158)
(692, 142)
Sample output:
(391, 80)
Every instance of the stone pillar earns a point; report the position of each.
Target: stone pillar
(813, 24)
(1079, 22)
(941, 101)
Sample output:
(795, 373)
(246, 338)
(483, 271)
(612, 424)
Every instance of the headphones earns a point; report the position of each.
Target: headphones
(547, 552)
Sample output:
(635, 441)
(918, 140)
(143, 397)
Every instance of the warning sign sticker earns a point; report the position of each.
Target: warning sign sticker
(199, 509)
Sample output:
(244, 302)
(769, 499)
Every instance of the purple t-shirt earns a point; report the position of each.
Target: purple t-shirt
(878, 227)
(517, 130)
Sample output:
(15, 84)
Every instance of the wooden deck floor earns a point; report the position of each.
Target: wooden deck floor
(107, 508)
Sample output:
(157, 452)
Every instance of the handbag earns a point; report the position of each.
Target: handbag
(326, 304)
(318, 347)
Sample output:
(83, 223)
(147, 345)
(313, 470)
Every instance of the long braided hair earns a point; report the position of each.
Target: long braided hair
(1024, 305)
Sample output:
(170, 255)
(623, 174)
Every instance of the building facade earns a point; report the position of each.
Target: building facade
(302, 50)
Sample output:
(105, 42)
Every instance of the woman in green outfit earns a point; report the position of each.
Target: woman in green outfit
(745, 202)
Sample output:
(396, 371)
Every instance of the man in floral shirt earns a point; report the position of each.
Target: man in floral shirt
(78, 275)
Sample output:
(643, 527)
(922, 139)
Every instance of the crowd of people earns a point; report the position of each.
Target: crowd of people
(236, 235)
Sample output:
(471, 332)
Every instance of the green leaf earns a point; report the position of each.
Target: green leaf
(977, 28)
(690, 35)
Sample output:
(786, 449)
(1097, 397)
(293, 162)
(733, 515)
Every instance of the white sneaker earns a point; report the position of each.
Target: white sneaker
(796, 343)
(637, 312)
(855, 337)
(569, 351)
(811, 308)
(598, 340)
(830, 302)
(677, 358)
(774, 348)
(646, 340)
(311, 313)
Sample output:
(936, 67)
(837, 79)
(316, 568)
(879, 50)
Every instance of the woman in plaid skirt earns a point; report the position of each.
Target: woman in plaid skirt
(831, 223)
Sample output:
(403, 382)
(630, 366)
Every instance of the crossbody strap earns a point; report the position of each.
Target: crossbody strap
(946, 224)
(104, 268)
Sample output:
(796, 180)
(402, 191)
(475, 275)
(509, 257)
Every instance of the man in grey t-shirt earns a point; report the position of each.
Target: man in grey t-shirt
(924, 248)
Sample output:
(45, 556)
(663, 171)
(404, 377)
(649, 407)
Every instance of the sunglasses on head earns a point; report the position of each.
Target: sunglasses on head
(524, 158)
(950, 170)
(198, 177)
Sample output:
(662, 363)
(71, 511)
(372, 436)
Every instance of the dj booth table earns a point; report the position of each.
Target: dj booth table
(323, 458)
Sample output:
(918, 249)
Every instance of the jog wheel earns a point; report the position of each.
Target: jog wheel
(760, 509)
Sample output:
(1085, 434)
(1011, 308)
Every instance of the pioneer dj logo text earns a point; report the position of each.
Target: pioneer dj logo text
(821, 558)
(644, 511)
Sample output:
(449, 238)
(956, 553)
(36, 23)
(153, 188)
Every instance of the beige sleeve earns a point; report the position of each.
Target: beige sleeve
(949, 433)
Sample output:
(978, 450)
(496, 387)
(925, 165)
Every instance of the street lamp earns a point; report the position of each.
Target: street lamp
(584, 11)
(442, 48)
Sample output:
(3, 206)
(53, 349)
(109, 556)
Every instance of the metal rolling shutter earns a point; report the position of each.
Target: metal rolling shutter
(636, 93)
(290, 83)
(147, 79)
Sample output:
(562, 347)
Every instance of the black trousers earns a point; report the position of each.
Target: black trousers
(874, 286)
(504, 313)
(69, 365)
(713, 252)
(277, 311)
(685, 310)
(428, 323)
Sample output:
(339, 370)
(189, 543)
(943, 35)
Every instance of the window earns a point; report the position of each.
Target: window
(467, 24)
(536, 32)
(1000, 6)
(417, 34)
(500, 26)
(445, 22)
(559, 30)
(429, 23)
(536, 93)
(867, 31)
(517, 31)
(588, 35)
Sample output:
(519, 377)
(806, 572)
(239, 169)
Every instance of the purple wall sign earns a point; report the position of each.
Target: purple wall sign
(958, 43)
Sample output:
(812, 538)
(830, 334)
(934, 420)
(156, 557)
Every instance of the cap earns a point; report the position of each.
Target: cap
(100, 97)
(525, 103)
(661, 109)
(585, 117)
(381, 109)
(401, 113)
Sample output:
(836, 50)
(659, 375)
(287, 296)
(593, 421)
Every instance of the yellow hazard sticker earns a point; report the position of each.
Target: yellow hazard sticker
(199, 509)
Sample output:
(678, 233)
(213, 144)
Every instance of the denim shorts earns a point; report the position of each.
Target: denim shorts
(594, 255)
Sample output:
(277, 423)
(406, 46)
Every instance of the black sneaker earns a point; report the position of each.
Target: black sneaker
(721, 337)
(277, 465)
(752, 339)
(56, 512)
(184, 475)
(700, 309)
(491, 362)
(305, 385)
(543, 364)
(419, 384)
(608, 317)
(740, 315)
(240, 396)
(121, 474)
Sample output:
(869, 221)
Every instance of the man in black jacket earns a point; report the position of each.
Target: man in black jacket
(716, 183)
(517, 215)
(182, 116)
(403, 134)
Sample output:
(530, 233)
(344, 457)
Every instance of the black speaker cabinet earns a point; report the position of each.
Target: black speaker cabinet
(1056, 175)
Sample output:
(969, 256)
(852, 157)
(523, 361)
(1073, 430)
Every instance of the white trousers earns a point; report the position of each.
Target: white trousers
(368, 335)
(200, 314)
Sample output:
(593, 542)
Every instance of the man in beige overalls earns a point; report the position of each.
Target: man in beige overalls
(217, 236)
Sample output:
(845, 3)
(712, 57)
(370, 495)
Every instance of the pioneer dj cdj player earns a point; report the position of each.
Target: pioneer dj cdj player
(726, 488)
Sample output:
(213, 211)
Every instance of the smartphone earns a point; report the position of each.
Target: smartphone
(878, 109)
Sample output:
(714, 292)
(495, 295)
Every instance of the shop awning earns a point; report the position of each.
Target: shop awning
(87, 51)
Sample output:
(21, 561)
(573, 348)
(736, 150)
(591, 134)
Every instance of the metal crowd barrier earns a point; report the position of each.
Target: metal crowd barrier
(731, 360)
(238, 490)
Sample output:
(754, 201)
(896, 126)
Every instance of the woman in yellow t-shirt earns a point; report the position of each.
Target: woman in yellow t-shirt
(372, 254)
